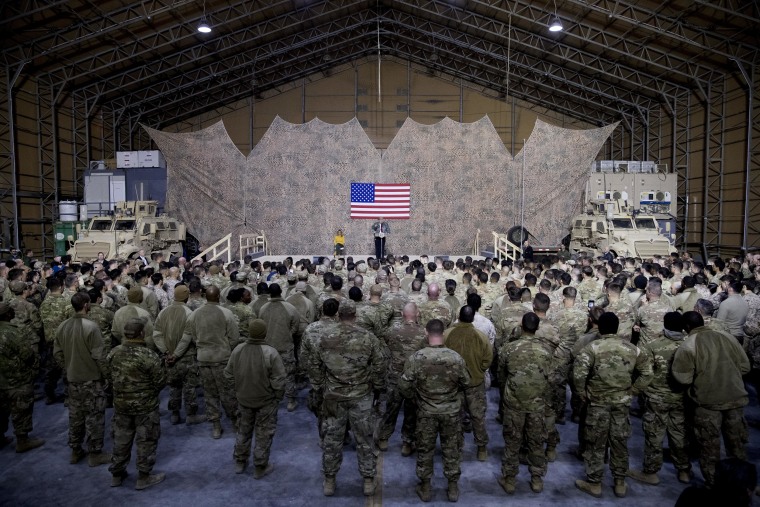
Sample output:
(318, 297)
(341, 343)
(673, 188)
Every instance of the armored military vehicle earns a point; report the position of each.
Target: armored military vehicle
(616, 225)
(133, 226)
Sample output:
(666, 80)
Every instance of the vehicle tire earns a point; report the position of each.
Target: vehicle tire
(191, 246)
(518, 235)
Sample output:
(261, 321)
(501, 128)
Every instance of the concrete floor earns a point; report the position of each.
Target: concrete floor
(200, 470)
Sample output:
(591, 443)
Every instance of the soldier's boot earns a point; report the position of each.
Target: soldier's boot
(118, 479)
(328, 485)
(407, 449)
(551, 454)
(369, 486)
(175, 417)
(145, 480)
(508, 484)
(77, 455)
(536, 484)
(685, 476)
(453, 491)
(620, 488)
(592, 488)
(261, 471)
(98, 458)
(24, 443)
(240, 466)
(292, 404)
(424, 490)
(482, 453)
(217, 430)
(382, 444)
(644, 477)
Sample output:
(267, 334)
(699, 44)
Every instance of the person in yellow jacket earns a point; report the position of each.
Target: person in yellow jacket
(339, 242)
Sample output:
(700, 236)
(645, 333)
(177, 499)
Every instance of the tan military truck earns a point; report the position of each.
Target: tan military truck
(615, 225)
(134, 226)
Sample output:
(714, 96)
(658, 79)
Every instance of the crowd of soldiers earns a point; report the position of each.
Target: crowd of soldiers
(671, 339)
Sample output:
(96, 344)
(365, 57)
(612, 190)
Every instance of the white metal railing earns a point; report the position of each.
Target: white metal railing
(476, 246)
(215, 251)
(503, 247)
(253, 243)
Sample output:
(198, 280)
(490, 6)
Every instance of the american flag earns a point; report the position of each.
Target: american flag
(373, 200)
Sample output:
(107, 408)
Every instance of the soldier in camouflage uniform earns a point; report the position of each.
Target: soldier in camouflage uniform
(102, 317)
(309, 343)
(588, 288)
(217, 278)
(603, 376)
(27, 315)
(375, 315)
(54, 310)
(137, 375)
(18, 365)
(348, 365)
(239, 304)
(622, 307)
(651, 313)
(181, 371)
(434, 308)
(525, 366)
(664, 407)
(711, 364)
(78, 348)
(403, 340)
(571, 322)
(195, 300)
(435, 377)
(259, 377)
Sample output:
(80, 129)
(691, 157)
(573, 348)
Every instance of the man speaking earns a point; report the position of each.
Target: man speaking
(380, 229)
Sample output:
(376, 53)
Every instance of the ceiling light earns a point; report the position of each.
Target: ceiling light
(203, 27)
(555, 25)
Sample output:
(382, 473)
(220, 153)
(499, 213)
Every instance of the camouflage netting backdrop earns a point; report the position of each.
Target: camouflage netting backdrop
(295, 184)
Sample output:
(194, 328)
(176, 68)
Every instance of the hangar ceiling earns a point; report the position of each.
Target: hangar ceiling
(94, 70)
(147, 60)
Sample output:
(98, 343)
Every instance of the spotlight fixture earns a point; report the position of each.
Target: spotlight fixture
(555, 25)
(203, 26)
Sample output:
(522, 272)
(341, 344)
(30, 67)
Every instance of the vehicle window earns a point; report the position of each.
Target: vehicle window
(622, 223)
(161, 225)
(125, 225)
(146, 229)
(645, 223)
(600, 227)
(100, 225)
(579, 223)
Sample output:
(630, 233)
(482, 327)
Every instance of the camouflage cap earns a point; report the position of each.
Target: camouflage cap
(17, 286)
(135, 295)
(361, 268)
(292, 277)
(241, 276)
(300, 287)
(181, 293)
(303, 275)
(347, 308)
